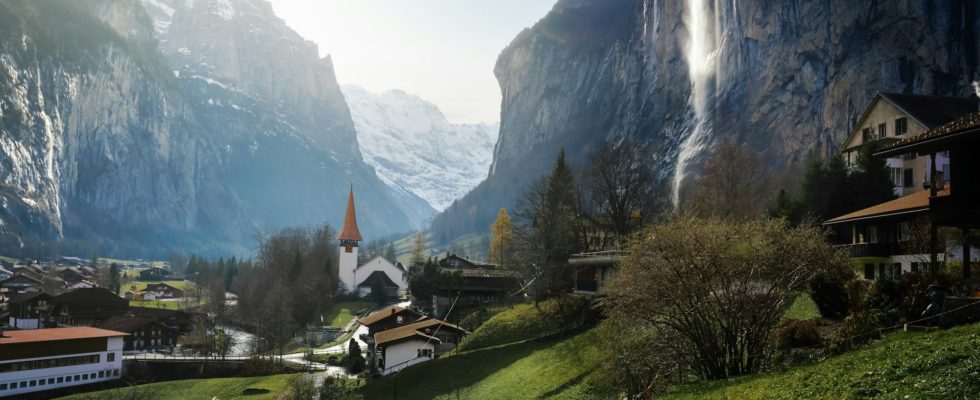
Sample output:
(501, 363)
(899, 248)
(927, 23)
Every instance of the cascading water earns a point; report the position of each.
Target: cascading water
(701, 51)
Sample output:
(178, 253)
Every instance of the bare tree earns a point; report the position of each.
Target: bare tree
(621, 185)
(720, 287)
(736, 185)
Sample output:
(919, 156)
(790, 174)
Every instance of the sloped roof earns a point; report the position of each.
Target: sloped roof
(414, 329)
(379, 315)
(25, 297)
(44, 335)
(913, 203)
(932, 111)
(376, 276)
(350, 231)
(966, 124)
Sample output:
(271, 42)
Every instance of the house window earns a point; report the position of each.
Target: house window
(897, 177)
(881, 130)
(3, 386)
(872, 234)
(425, 353)
(901, 126)
(110, 357)
(51, 381)
(904, 231)
(908, 178)
(897, 270)
(945, 172)
(869, 272)
(61, 379)
(867, 135)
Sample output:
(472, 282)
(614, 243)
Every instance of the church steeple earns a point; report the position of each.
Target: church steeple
(350, 233)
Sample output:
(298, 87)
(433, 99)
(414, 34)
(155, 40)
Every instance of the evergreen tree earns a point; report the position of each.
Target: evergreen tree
(115, 278)
(390, 254)
(355, 361)
(418, 249)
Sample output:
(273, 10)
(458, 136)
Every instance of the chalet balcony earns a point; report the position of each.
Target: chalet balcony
(875, 249)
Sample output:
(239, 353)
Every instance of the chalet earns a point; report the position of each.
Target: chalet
(154, 274)
(88, 307)
(144, 334)
(879, 238)
(38, 360)
(83, 284)
(179, 321)
(892, 117)
(472, 284)
(5, 273)
(27, 311)
(414, 343)
(72, 276)
(21, 283)
(354, 277)
(163, 291)
(599, 261)
(388, 318)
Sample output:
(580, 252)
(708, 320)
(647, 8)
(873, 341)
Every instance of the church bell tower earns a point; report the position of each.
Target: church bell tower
(349, 238)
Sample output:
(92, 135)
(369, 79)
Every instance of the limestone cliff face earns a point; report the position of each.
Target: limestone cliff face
(787, 78)
(117, 137)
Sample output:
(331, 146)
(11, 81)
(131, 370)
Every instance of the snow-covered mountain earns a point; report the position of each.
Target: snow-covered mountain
(414, 148)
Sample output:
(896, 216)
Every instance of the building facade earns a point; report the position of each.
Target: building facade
(44, 359)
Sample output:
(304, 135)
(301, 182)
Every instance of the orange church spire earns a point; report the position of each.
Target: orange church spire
(350, 231)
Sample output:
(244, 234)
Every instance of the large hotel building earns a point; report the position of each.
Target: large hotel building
(45, 359)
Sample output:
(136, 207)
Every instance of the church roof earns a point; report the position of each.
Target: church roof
(350, 231)
(376, 276)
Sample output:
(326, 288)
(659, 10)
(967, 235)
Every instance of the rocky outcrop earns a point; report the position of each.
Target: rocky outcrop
(140, 128)
(787, 78)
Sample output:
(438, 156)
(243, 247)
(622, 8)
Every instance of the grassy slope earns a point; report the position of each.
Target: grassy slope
(341, 313)
(221, 388)
(521, 322)
(524, 370)
(802, 308)
(938, 365)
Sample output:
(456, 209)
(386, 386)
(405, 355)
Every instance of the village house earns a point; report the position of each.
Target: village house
(880, 238)
(473, 284)
(415, 343)
(162, 291)
(145, 334)
(83, 284)
(37, 360)
(21, 283)
(179, 321)
(27, 311)
(154, 274)
(86, 307)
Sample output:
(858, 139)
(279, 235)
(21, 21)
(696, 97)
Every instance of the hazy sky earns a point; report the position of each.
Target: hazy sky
(441, 50)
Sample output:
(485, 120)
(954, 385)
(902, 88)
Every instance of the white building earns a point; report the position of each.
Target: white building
(415, 343)
(44, 359)
(355, 278)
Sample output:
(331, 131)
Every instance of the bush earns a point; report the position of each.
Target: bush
(829, 293)
(795, 333)
(857, 329)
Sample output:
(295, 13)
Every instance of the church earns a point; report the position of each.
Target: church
(360, 279)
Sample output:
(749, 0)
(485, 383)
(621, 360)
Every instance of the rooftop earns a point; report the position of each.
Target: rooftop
(932, 111)
(350, 231)
(968, 123)
(912, 203)
(414, 329)
(45, 335)
(378, 316)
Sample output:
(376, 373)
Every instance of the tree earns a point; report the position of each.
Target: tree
(418, 250)
(390, 253)
(423, 281)
(719, 286)
(549, 233)
(501, 240)
(621, 185)
(115, 278)
(736, 185)
(355, 361)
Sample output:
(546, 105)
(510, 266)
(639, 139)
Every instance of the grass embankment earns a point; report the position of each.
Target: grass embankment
(521, 322)
(263, 387)
(937, 365)
(343, 312)
(498, 361)
(803, 308)
(524, 370)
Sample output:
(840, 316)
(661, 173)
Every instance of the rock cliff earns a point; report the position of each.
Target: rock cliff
(787, 78)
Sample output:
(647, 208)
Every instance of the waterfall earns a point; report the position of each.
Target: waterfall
(700, 52)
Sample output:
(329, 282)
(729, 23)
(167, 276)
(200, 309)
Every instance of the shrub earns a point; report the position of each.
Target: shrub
(795, 333)
(857, 329)
(829, 293)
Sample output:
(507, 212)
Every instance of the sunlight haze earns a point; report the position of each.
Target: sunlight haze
(443, 51)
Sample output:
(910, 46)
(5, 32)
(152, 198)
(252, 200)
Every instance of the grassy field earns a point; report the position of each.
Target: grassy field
(802, 308)
(341, 313)
(521, 322)
(218, 388)
(937, 365)
(524, 370)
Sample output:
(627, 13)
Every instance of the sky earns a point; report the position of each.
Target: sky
(441, 50)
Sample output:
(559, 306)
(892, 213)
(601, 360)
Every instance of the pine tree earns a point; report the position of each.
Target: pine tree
(418, 250)
(390, 254)
(115, 278)
(501, 240)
